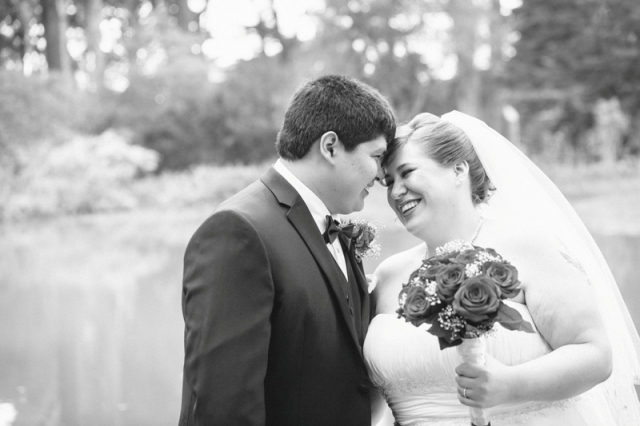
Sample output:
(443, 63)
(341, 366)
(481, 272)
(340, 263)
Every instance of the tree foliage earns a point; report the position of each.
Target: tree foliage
(572, 53)
(370, 40)
(140, 66)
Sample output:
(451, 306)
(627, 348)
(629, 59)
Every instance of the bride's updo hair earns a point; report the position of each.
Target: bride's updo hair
(446, 144)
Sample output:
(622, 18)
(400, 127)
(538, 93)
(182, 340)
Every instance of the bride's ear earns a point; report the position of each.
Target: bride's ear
(461, 170)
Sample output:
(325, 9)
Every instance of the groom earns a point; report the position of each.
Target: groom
(276, 312)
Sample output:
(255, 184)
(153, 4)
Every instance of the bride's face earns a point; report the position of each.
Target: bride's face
(419, 190)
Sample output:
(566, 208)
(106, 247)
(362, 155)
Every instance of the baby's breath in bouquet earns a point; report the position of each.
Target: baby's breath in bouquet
(460, 293)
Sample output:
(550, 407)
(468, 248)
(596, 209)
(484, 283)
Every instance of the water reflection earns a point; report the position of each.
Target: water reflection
(90, 319)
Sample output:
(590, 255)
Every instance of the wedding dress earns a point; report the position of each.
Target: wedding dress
(417, 378)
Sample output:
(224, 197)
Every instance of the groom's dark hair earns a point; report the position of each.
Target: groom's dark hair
(355, 111)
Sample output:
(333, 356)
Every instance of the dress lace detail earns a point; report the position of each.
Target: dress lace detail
(513, 417)
(414, 386)
(573, 261)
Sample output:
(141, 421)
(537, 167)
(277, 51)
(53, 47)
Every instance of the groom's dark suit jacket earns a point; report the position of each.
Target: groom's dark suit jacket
(270, 338)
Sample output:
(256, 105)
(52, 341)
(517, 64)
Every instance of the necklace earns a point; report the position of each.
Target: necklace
(475, 234)
(456, 243)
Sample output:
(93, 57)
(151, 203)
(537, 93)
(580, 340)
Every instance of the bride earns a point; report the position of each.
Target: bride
(455, 178)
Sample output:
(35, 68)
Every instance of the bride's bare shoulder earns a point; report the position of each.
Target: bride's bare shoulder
(392, 273)
(400, 264)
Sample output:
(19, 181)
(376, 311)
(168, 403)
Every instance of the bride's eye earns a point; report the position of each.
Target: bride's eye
(405, 173)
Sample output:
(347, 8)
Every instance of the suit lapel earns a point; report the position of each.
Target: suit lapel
(301, 219)
(358, 271)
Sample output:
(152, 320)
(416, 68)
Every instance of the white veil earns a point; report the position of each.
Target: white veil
(527, 193)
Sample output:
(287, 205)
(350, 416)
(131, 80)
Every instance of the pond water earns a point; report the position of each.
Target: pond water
(90, 317)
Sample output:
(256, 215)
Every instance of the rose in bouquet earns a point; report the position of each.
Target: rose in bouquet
(460, 293)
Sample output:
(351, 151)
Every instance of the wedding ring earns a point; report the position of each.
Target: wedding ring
(464, 392)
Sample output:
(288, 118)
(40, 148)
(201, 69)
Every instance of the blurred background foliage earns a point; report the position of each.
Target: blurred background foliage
(123, 123)
(558, 77)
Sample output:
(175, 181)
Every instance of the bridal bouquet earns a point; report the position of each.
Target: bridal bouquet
(460, 293)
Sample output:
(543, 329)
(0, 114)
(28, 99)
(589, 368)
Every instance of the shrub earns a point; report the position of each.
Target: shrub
(85, 174)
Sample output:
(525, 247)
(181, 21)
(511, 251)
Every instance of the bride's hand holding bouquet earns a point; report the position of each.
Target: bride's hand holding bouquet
(460, 293)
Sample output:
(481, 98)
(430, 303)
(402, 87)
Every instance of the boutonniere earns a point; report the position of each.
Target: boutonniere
(363, 237)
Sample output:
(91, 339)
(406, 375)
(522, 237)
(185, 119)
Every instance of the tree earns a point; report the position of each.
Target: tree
(570, 54)
(466, 40)
(54, 19)
(187, 20)
(95, 56)
(372, 41)
(268, 28)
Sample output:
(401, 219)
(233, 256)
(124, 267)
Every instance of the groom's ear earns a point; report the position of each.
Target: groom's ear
(461, 170)
(329, 145)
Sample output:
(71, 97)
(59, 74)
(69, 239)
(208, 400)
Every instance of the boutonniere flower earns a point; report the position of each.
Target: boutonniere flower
(363, 237)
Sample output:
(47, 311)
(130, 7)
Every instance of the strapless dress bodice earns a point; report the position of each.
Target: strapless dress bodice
(417, 378)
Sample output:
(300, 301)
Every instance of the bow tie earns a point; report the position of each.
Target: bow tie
(334, 229)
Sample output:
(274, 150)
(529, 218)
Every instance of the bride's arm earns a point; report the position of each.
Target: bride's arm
(388, 277)
(391, 274)
(378, 404)
(566, 315)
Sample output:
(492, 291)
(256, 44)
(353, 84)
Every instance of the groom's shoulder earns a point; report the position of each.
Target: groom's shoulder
(243, 212)
(254, 204)
(250, 198)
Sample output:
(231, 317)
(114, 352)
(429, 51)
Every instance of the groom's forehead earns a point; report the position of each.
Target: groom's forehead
(378, 145)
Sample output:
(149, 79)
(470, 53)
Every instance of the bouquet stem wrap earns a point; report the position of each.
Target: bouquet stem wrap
(472, 351)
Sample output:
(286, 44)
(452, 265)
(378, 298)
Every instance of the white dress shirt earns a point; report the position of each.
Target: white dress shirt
(318, 211)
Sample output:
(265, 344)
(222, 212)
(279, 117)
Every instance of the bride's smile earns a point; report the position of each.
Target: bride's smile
(441, 191)
(428, 198)
(407, 207)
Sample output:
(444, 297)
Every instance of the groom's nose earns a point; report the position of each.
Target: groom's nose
(380, 174)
